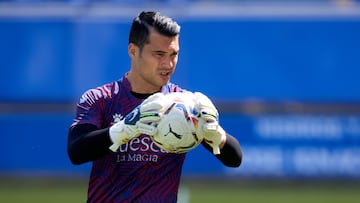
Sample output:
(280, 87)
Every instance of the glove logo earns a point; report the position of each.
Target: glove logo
(136, 111)
(133, 117)
(178, 136)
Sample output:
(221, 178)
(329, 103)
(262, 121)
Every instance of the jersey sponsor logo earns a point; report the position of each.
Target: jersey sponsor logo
(137, 157)
(139, 149)
(143, 144)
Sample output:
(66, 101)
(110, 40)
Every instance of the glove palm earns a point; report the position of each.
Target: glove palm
(141, 120)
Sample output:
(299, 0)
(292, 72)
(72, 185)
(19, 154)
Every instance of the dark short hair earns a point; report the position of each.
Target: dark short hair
(140, 28)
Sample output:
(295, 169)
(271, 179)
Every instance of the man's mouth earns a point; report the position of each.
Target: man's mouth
(165, 73)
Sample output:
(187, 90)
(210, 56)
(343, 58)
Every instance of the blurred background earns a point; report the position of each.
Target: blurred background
(284, 75)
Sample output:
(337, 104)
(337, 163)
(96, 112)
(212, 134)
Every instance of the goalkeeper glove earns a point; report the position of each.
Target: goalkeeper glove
(141, 120)
(213, 133)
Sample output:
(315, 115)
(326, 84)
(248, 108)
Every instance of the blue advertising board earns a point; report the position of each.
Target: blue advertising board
(298, 145)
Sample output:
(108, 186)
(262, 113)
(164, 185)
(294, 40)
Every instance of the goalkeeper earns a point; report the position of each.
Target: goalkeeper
(111, 129)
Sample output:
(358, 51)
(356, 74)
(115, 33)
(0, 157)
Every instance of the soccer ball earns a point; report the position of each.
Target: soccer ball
(177, 129)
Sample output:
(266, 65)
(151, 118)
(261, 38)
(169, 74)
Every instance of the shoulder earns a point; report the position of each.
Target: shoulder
(105, 91)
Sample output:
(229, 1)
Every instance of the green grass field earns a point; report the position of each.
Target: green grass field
(217, 191)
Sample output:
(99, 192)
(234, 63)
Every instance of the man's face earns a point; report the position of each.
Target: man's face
(154, 66)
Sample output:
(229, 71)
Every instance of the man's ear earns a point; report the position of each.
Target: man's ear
(133, 50)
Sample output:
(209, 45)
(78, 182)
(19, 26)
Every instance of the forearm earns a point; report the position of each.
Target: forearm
(87, 143)
(230, 153)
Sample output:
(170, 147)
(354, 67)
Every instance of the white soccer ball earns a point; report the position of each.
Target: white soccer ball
(177, 130)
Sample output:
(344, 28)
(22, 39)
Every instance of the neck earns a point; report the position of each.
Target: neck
(139, 86)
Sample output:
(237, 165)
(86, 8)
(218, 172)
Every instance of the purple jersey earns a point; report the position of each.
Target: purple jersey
(139, 171)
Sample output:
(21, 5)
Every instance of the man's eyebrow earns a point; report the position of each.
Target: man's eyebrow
(159, 51)
(164, 52)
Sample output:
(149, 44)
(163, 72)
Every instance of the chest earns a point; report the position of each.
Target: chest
(117, 108)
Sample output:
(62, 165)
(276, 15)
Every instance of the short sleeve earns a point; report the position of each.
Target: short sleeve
(89, 110)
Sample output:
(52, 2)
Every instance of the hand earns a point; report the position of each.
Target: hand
(142, 120)
(209, 126)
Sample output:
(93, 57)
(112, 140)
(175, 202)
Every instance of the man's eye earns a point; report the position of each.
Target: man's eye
(159, 54)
